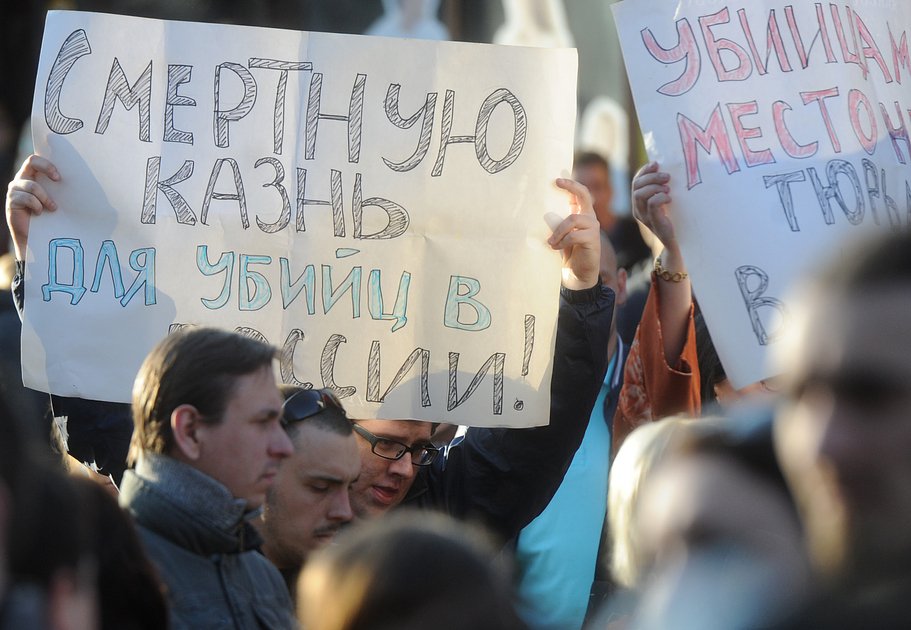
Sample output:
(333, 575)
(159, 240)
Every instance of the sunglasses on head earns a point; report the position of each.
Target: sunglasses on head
(308, 403)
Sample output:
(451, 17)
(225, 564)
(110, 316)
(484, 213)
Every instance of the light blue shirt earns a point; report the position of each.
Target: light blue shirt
(556, 554)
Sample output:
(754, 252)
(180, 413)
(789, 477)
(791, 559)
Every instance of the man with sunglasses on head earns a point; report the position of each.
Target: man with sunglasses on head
(504, 477)
(309, 501)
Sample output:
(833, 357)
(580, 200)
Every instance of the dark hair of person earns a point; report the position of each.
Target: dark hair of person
(73, 524)
(130, 593)
(49, 530)
(590, 158)
(407, 571)
(195, 366)
(870, 263)
(747, 441)
(331, 418)
(711, 372)
(12, 448)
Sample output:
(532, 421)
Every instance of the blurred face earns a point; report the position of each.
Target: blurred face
(611, 275)
(597, 180)
(843, 433)
(309, 501)
(710, 526)
(384, 482)
(244, 450)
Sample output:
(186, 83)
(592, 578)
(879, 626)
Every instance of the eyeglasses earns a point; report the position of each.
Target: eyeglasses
(421, 454)
(308, 403)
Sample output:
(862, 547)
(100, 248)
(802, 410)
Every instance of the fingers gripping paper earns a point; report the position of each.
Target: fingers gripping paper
(370, 206)
(784, 126)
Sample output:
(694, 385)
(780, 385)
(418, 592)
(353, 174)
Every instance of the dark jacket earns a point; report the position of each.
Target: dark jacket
(96, 432)
(196, 534)
(504, 478)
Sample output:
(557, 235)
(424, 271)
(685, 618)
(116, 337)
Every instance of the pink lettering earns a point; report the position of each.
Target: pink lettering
(744, 67)
(849, 56)
(691, 134)
(856, 100)
(685, 50)
(788, 143)
(737, 111)
(820, 97)
(900, 57)
(870, 50)
(773, 41)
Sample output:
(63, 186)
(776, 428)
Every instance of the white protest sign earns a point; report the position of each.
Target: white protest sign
(373, 207)
(785, 129)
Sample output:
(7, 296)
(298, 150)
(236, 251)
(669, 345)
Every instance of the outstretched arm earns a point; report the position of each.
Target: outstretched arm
(506, 477)
(661, 376)
(651, 200)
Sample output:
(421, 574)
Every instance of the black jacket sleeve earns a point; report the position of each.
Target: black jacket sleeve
(18, 287)
(503, 478)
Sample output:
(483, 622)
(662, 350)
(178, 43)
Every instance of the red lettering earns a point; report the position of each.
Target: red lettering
(737, 111)
(900, 57)
(744, 67)
(715, 133)
(685, 49)
(788, 143)
(869, 48)
(819, 96)
(856, 100)
(849, 56)
(773, 41)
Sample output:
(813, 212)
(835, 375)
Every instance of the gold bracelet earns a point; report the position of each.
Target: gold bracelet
(668, 276)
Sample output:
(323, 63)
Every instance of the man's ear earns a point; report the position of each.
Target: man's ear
(185, 424)
(622, 277)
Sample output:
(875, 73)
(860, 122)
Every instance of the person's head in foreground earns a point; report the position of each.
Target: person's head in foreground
(208, 398)
(843, 433)
(718, 532)
(392, 452)
(309, 501)
(408, 571)
(641, 453)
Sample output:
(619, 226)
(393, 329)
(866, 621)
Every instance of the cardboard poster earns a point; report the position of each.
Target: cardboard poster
(373, 207)
(784, 126)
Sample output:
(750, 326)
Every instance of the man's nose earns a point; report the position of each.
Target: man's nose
(402, 467)
(280, 445)
(340, 508)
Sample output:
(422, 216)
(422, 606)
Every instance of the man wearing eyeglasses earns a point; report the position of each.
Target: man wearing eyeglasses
(504, 477)
(309, 501)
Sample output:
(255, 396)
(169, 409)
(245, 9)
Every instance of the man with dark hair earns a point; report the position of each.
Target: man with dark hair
(593, 171)
(309, 503)
(843, 433)
(207, 447)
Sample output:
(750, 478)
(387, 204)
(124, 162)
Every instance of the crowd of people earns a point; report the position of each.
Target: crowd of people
(657, 496)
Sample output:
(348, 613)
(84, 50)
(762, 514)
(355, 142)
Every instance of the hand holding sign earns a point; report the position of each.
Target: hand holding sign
(388, 251)
(25, 197)
(651, 196)
(578, 236)
(651, 199)
(809, 149)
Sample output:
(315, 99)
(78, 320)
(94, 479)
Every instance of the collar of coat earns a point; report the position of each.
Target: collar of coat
(188, 507)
